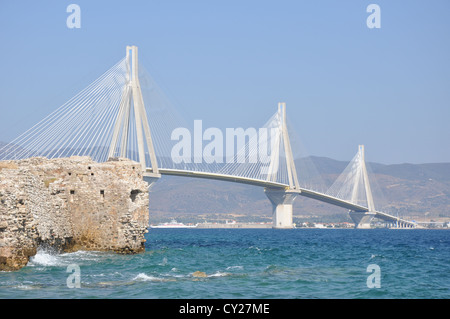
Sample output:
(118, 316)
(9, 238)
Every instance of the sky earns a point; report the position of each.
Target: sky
(230, 62)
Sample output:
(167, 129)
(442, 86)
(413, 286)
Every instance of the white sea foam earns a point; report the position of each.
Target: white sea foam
(235, 267)
(174, 275)
(46, 259)
(255, 248)
(23, 286)
(83, 255)
(144, 277)
(219, 274)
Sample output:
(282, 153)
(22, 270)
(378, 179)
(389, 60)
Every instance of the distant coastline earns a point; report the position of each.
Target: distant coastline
(262, 225)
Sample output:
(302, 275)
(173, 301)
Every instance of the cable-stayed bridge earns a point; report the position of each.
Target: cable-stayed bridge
(114, 117)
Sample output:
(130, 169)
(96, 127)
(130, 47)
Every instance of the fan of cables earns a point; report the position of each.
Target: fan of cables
(80, 127)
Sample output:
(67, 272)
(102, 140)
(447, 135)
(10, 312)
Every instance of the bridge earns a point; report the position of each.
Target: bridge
(110, 118)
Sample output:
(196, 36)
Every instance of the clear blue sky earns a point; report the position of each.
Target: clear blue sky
(230, 62)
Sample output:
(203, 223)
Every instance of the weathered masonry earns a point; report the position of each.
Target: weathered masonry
(70, 204)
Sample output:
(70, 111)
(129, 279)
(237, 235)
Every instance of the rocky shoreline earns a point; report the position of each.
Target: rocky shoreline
(70, 204)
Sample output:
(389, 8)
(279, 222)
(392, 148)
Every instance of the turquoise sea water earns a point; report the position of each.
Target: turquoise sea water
(248, 263)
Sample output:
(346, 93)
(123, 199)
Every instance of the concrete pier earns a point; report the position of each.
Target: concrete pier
(362, 219)
(282, 203)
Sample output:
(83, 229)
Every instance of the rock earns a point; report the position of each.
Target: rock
(199, 274)
(70, 204)
(3, 225)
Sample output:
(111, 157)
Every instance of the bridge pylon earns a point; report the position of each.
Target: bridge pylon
(132, 105)
(362, 219)
(283, 199)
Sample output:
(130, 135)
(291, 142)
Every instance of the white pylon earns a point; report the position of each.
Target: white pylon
(365, 176)
(282, 199)
(282, 138)
(362, 219)
(132, 92)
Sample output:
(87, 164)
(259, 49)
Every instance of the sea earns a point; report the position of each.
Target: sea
(247, 264)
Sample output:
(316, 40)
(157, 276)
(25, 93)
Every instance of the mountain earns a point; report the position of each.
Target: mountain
(414, 191)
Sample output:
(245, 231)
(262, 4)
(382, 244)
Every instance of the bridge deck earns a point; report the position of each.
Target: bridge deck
(262, 183)
(332, 200)
(220, 177)
(274, 185)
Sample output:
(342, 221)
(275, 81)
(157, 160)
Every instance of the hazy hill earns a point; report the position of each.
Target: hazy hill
(410, 190)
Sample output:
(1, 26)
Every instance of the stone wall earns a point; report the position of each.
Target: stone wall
(70, 204)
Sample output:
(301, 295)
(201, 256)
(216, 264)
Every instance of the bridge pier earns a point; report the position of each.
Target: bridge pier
(362, 219)
(282, 203)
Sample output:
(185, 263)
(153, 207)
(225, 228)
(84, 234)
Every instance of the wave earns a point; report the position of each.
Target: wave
(144, 277)
(46, 258)
(174, 277)
(235, 268)
(219, 274)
